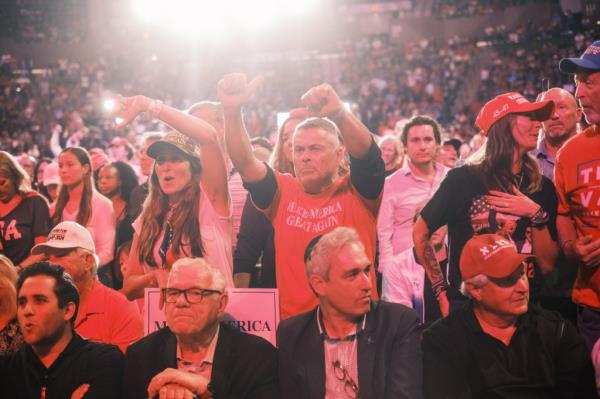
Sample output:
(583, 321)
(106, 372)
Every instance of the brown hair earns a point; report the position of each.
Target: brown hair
(186, 228)
(85, 204)
(494, 165)
(278, 160)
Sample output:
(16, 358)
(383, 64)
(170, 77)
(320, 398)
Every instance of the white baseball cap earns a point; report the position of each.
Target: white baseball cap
(67, 235)
(51, 174)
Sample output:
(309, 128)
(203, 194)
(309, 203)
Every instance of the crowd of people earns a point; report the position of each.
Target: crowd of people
(413, 256)
(384, 79)
(403, 268)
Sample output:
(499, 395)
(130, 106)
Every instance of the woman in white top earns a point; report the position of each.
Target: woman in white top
(187, 211)
(78, 201)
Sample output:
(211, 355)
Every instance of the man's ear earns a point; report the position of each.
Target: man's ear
(317, 283)
(475, 292)
(223, 301)
(69, 310)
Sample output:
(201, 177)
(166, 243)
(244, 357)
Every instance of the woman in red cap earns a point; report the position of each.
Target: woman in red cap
(187, 212)
(500, 184)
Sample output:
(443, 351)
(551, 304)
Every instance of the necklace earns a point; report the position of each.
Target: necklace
(519, 179)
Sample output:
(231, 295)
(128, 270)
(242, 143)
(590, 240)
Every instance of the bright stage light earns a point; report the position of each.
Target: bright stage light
(301, 7)
(216, 17)
(148, 11)
(108, 105)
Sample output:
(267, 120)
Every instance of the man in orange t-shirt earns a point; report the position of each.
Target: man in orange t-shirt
(577, 179)
(319, 198)
(104, 315)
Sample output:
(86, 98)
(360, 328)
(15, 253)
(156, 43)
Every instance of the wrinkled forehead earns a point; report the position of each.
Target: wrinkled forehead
(314, 135)
(560, 96)
(188, 276)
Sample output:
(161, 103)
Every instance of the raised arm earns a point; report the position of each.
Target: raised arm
(233, 91)
(322, 101)
(214, 171)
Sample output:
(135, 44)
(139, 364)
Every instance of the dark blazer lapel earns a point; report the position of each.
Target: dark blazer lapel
(168, 352)
(311, 350)
(223, 361)
(367, 345)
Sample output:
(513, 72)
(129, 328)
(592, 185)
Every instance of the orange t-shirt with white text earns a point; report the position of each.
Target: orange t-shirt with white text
(298, 217)
(577, 180)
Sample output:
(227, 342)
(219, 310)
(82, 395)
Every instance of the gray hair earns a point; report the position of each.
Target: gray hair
(319, 258)
(217, 280)
(327, 125)
(477, 281)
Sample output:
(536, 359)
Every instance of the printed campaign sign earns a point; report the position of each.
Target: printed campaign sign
(252, 310)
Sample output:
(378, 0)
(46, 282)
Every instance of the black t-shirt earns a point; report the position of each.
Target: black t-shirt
(460, 203)
(19, 227)
(22, 374)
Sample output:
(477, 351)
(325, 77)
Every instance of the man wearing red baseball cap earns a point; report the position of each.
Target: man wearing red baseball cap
(577, 179)
(502, 192)
(497, 345)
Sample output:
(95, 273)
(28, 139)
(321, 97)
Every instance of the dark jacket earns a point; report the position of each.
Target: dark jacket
(389, 355)
(245, 366)
(546, 358)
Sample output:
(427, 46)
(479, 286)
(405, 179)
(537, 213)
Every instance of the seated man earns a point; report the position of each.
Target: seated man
(105, 315)
(195, 354)
(56, 362)
(498, 346)
(348, 346)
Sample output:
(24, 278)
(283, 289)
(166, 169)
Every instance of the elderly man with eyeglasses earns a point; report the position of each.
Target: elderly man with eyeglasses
(498, 346)
(196, 356)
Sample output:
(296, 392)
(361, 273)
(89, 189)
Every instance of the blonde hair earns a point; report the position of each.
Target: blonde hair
(12, 170)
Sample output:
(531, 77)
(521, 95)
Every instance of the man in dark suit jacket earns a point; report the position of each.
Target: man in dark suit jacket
(349, 346)
(195, 354)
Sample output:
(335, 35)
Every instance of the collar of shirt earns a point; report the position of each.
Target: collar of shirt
(360, 326)
(542, 152)
(73, 346)
(210, 352)
(94, 304)
(405, 170)
(472, 324)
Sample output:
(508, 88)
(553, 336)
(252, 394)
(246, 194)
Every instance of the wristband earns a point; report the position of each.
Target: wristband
(439, 287)
(540, 218)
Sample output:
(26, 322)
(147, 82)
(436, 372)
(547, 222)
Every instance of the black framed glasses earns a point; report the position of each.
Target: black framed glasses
(191, 295)
(350, 386)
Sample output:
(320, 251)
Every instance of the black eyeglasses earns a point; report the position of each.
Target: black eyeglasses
(191, 295)
(350, 387)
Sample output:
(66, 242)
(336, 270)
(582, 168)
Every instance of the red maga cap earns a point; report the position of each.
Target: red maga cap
(511, 103)
(489, 254)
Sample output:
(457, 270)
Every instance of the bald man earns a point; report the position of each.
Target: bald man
(558, 129)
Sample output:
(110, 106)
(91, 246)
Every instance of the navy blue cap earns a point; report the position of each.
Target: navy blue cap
(589, 60)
